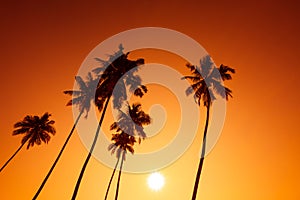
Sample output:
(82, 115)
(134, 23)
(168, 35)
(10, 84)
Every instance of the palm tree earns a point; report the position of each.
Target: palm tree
(207, 83)
(35, 129)
(129, 126)
(109, 75)
(122, 143)
(82, 98)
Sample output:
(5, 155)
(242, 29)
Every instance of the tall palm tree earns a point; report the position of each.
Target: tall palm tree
(129, 126)
(82, 98)
(207, 83)
(35, 130)
(109, 74)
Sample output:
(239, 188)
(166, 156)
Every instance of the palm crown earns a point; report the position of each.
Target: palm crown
(132, 121)
(35, 128)
(85, 95)
(118, 65)
(208, 81)
(122, 142)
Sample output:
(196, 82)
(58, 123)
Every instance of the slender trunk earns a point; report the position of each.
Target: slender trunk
(12, 156)
(202, 154)
(119, 178)
(111, 178)
(59, 155)
(90, 152)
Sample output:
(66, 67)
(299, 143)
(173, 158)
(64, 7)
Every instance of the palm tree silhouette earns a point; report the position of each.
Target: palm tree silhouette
(82, 98)
(35, 129)
(129, 126)
(118, 65)
(122, 143)
(207, 83)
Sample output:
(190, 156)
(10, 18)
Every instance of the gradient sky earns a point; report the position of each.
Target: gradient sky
(257, 156)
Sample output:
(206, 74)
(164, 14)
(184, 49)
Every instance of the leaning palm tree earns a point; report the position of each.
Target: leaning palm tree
(82, 98)
(35, 130)
(129, 126)
(117, 66)
(207, 83)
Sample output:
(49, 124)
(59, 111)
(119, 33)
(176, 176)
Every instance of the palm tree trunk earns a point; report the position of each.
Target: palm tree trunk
(119, 178)
(202, 154)
(57, 158)
(111, 178)
(13, 156)
(90, 152)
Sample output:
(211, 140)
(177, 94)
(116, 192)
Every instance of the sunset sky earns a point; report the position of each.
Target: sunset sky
(43, 45)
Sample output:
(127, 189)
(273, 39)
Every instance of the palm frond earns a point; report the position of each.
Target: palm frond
(192, 78)
(219, 88)
(138, 92)
(228, 93)
(113, 126)
(45, 117)
(191, 67)
(130, 149)
(81, 83)
(73, 92)
(21, 131)
(104, 63)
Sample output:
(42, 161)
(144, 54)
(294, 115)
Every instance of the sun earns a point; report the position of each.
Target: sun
(156, 181)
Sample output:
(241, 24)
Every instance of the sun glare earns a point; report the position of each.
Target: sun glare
(156, 181)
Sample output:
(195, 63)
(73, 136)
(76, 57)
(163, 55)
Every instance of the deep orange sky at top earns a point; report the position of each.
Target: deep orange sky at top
(257, 156)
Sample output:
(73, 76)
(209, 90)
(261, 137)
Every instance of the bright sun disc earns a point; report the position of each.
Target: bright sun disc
(156, 181)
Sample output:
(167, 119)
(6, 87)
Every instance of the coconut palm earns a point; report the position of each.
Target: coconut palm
(110, 73)
(129, 126)
(207, 84)
(35, 130)
(122, 143)
(81, 98)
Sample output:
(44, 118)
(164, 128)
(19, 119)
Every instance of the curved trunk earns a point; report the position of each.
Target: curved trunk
(57, 158)
(90, 152)
(12, 156)
(200, 166)
(111, 178)
(119, 178)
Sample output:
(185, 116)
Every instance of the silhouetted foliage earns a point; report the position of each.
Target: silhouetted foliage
(132, 120)
(129, 125)
(118, 65)
(122, 142)
(85, 95)
(35, 130)
(81, 98)
(207, 83)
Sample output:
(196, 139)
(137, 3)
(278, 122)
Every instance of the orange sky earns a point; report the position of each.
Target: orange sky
(257, 156)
